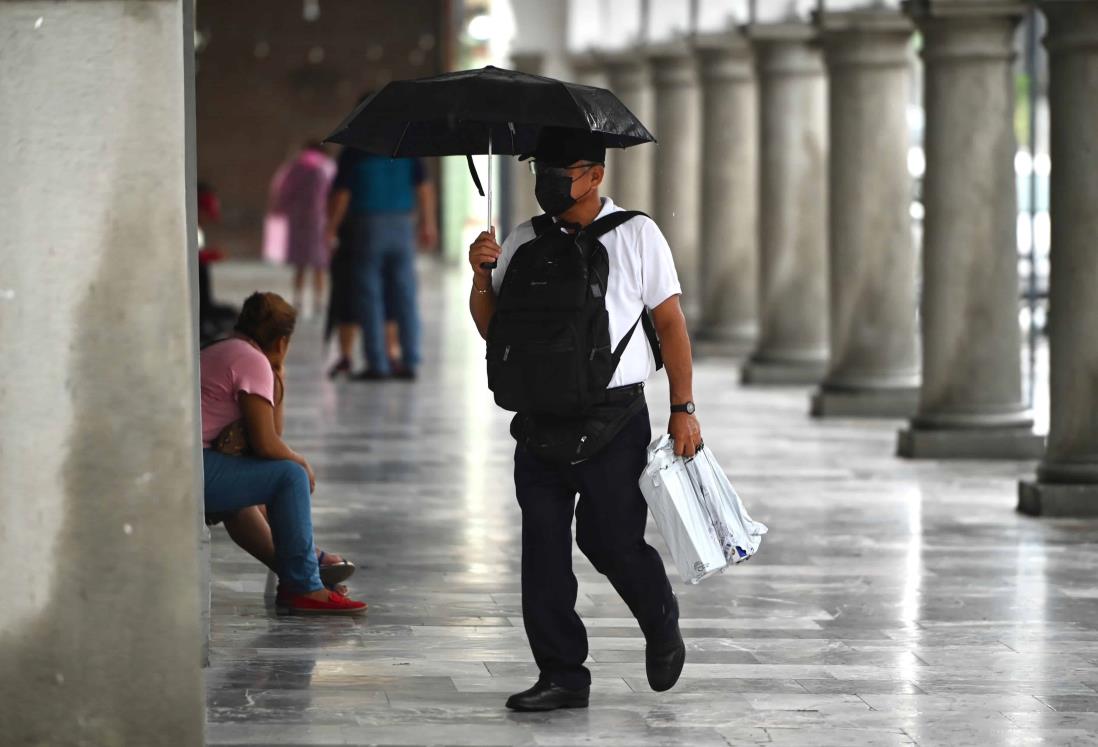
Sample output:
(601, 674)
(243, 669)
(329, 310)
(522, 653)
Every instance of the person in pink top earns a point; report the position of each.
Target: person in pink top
(299, 207)
(241, 382)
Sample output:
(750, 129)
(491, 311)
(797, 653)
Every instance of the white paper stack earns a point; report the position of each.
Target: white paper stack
(699, 513)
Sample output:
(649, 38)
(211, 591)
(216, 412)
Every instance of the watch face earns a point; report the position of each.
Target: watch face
(689, 408)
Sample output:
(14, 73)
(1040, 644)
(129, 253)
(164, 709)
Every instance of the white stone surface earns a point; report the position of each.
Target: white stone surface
(99, 631)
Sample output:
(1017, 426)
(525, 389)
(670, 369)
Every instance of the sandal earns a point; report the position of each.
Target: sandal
(341, 368)
(333, 574)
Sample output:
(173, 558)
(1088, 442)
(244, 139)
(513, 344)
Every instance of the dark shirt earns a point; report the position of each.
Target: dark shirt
(379, 185)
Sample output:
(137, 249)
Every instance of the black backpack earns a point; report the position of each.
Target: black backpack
(549, 341)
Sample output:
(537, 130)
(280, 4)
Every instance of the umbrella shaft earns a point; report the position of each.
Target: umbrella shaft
(488, 192)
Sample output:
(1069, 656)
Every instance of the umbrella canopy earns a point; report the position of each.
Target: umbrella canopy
(490, 110)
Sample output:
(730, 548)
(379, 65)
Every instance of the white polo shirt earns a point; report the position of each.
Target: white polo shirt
(642, 273)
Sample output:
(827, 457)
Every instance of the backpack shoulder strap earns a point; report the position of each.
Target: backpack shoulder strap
(608, 223)
(645, 321)
(541, 224)
(603, 226)
(653, 337)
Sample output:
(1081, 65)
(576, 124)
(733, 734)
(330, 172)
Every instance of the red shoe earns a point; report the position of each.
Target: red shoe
(335, 604)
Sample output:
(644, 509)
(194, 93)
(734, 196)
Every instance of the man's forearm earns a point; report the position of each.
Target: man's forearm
(678, 360)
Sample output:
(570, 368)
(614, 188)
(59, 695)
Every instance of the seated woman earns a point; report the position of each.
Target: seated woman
(238, 399)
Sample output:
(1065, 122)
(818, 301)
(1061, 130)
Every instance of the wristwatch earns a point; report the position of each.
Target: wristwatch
(687, 407)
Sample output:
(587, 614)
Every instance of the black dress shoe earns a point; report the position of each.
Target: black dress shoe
(664, 660)
(545, 696)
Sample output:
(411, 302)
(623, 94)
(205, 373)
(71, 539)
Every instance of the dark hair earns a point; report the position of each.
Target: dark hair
(266, 318)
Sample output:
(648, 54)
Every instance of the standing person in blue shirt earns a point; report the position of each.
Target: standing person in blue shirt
(377, 206)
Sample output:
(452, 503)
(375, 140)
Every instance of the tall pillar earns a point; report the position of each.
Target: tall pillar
(631, 174)
(1067, 479)
(677, 176)
(873, 368)
(970, 403)
(205, 576)
(100, 633)
(729, 218)
(792, 346)
(523, 204)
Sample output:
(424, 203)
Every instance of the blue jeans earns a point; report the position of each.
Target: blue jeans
(386, 245)
(233, 483)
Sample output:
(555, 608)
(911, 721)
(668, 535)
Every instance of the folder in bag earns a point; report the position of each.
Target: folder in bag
(698, 512)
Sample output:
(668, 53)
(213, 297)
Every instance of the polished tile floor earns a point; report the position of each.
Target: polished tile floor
(892, 603)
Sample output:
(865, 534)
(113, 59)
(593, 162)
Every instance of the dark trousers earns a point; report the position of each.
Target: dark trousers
(610, 519)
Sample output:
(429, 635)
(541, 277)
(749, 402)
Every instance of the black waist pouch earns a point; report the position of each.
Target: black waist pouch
(574, 439)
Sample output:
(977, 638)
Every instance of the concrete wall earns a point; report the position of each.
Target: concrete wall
(99, 628)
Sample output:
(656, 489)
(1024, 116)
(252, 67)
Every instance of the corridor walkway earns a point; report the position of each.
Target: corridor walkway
(892, 603)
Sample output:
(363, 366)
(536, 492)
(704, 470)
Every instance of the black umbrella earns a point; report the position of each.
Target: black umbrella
(473, 112)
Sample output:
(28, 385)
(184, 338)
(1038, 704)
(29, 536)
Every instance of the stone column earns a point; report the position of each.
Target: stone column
(205, 580)
(873, 368)
(792, 346)
(1067, 479)
(677, 176)
(970, 403)
(523, 204)
(630, 177)
(729, 219)
(100, 633)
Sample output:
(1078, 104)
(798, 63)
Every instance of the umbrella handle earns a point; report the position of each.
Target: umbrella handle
(488, 194)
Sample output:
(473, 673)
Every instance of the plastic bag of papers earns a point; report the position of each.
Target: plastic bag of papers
(698, 512)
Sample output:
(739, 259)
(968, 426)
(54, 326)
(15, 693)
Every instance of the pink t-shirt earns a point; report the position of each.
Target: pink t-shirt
(228, 369)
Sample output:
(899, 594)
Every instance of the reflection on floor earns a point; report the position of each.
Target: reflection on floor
(892, 602)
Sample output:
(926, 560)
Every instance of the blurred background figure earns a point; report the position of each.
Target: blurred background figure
(295, 226)
(378, 209)
(214, 320)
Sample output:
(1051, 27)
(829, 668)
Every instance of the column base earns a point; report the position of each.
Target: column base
(865, 403)
(970, 443)
(1053, 499)
(725, 341)
(709, 348)
(784, 373)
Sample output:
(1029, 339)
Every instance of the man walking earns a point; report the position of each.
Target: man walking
(559, 313)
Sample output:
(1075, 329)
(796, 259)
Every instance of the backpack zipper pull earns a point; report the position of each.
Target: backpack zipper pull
(506, 352)
(583, 440)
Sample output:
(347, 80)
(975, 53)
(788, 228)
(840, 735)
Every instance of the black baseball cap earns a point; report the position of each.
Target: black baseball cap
(563, 146)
